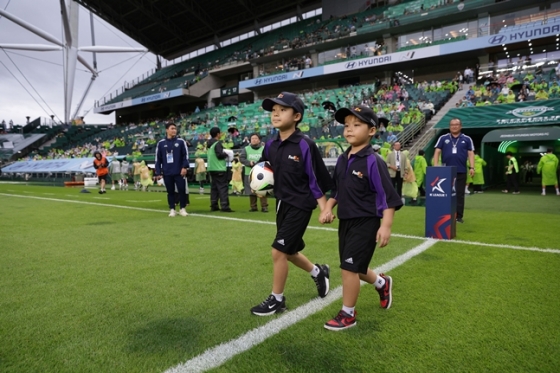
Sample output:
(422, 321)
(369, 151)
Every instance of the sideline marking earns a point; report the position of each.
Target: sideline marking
(216, 356)
(150, 200)
(209, 216)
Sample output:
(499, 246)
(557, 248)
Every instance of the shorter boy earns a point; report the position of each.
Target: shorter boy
(367, 202)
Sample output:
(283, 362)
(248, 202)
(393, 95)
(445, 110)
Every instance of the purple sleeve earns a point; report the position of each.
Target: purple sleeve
(309, 170)
(376, 185)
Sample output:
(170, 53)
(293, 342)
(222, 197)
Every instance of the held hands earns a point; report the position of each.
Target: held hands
(326, 217)
(383, 234)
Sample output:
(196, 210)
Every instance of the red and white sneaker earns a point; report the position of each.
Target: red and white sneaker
(386, 292)
(341, 321)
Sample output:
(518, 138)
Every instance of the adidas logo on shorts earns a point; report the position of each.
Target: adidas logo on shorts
(349, 261)
(281, 242)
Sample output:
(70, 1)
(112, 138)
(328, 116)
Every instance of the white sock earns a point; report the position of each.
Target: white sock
(379, 282)
(557, 190)
(278, 297)
(543, 190)
(348, 310)
(315, 271)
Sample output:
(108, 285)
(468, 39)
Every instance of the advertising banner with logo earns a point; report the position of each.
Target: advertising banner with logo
(539, 113)
(386, 59)
(83, 165)
(441, 202)
(280, 78)
(139, 100)
(514, 36)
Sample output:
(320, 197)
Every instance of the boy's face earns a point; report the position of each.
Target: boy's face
(283, 117)
(357, 132)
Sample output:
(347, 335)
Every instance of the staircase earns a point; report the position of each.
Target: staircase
(429, 132)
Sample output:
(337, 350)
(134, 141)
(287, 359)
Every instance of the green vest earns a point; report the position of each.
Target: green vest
(215, 164)
(252, 155)
(512, 166)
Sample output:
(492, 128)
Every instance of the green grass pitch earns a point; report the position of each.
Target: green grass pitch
(109, 283)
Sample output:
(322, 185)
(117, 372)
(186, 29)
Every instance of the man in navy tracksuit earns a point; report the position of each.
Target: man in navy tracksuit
(172, 157)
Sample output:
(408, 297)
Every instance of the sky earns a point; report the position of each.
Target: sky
(44, 71)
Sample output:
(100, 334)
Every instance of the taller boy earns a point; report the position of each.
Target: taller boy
(300, 183)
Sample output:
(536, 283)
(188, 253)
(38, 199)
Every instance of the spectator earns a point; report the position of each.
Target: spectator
(512, 170)
(548, 166)
(102, 169)
(478, 178)
(391, 138)
(250, 155)
(420, 167)
(217, 169)
(397, 164)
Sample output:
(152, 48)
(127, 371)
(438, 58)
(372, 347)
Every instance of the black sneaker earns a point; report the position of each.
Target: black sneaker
(227, 210)
(322, 280)
(254, 210)
(269, 307)
(265, 209)
(460, 220)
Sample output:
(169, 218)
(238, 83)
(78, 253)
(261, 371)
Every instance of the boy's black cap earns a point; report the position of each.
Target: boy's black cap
(364, 113)
(285, 99)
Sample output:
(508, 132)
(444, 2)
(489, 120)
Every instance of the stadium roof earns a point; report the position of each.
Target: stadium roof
(171, 28)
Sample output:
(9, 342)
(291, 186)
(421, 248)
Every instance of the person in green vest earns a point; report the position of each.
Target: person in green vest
(250, 156)
(217, 168)
(420, 167)
(548, 166)
(512, 169)
(478, 178)
(541, 95)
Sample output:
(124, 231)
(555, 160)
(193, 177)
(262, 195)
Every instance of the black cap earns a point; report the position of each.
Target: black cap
(285, 99)
(364, 113)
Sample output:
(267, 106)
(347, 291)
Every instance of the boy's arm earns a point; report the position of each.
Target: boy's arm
(384, 231)
(219, 149)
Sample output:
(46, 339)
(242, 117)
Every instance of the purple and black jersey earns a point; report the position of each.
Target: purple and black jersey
(300, 175)
(363, 186)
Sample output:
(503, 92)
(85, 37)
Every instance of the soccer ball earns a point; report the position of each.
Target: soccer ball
(261, 179)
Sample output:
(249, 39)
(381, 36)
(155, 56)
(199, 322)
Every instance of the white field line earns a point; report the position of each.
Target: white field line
(216, 356)
(212, 216)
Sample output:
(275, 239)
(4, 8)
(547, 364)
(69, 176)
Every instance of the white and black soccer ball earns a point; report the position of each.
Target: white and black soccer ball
(261, 179)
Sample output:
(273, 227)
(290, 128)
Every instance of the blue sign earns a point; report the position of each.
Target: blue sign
(441, 202)
(157, 97)
(284, 77)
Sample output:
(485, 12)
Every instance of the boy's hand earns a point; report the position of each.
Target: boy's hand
(326, 217)
(383, 234)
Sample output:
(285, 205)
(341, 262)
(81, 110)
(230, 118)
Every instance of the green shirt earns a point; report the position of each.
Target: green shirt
(215, 164)
(253, 155)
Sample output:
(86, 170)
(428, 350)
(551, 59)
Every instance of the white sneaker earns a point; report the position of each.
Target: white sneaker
(183, 212)
(467, 191)
(543, 194)
(201, 190)
(113, 187)
(172, 213)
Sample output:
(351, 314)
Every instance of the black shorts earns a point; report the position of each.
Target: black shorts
(291, 223)
(103, 177)
(356, 243)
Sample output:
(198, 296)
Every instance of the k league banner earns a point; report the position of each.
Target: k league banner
(441, 202)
